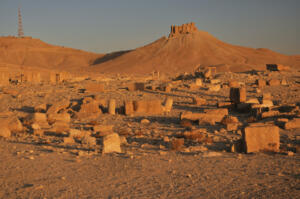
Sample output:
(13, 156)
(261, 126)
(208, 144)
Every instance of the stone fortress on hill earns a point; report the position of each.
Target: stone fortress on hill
(183, 29)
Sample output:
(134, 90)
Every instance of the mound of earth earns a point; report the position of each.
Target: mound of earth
(185, 50)
(29, 52)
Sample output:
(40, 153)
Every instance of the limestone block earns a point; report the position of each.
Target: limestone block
(261, 138)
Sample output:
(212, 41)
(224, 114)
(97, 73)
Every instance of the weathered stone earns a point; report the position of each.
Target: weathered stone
(129, 108)
(5, 132)
(214, 81)
(269, 114)
(148, 106)
(274, 82)
(214, 88)
(293, 124)
(103, 128)
(193, 87)
(224, 104)
(112, 107)
(267, 96)
(88, 140)
(261, 83)
(199, 101)
(238, 95)
(168, 104)
(55, 108)
(232, 126)
(69, 140)
(12, 123)
(267, 103)
(60, 117)
(219, 111)
(252, 101)
(284, 82)
(94, 88)
(137, 86)
(76, 133)
(145, 121)
(198, 82)
(261, 138)
(177, 144)
(277, 67)
(41, 108)
(204, 118)
(89, 109)
(229, 119)
(111, 143)
(234, 84)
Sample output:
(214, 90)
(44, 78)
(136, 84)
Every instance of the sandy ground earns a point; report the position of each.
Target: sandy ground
(32, 171)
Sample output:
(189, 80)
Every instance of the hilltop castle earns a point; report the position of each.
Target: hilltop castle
(183, 29)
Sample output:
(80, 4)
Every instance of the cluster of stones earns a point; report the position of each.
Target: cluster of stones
(256, 135)
(183, 29)
(33, 77)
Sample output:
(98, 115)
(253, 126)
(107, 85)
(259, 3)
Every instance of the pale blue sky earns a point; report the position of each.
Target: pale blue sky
(110, 25)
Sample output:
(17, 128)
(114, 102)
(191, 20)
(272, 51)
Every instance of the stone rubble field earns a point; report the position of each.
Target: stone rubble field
(202, 134)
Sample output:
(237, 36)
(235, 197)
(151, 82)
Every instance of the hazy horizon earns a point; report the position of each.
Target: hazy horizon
(107, 26)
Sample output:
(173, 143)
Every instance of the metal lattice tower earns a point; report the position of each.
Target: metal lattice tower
(20, 25)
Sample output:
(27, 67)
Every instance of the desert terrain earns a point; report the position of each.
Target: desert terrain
(187, 116)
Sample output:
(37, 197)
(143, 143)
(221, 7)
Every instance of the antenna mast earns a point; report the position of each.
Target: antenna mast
(20, 26)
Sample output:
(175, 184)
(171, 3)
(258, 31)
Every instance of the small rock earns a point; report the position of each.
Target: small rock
(145, 121)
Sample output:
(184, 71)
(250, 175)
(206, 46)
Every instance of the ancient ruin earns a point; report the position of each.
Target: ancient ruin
(183, 29)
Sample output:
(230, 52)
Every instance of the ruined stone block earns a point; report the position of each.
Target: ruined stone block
(129, 109)
(198, 82)
(168, 104)
(5, 132)
(91, 107)
(204, 118)
(271, 113)
(103, 128)
(58, 118)
(261, 83)
(214, 81)
(112, 107)
(111, 143)
(261, 138)
(277, 67)
(232, 126)
(234, 84)
(137, 86)
(193, 86)
(12, 123)
(69, 140)
(238, 95)
(274, 82)
(94, 88)
(267, 96)
(148, 106)
(88, 140)
(59, 106)
(199, 101)
(214, 88)
(41, 108)
(293, 124)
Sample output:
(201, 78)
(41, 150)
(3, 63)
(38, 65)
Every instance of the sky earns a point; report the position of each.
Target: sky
(104, 26)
